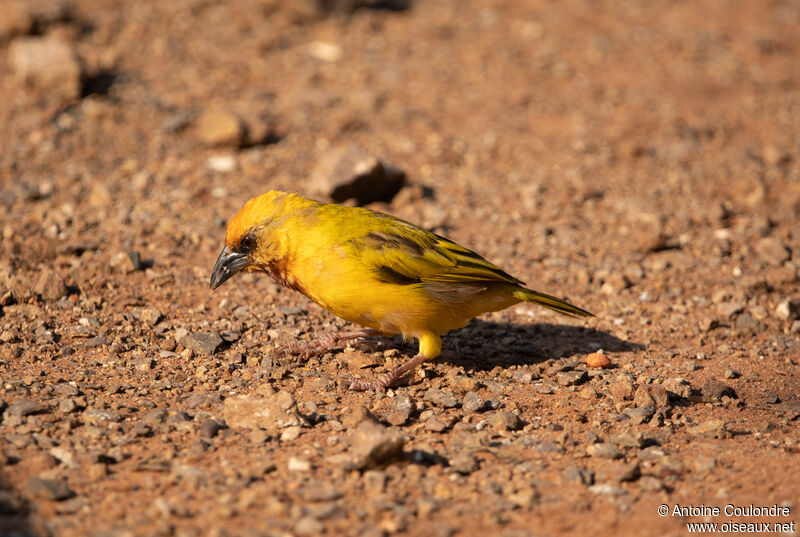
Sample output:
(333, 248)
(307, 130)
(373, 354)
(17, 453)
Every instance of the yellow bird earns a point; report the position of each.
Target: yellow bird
(371, 269)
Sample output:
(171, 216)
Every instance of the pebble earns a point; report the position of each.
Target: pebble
(373, 445)
(604, 451)
(772, 251)
(732, 374)
(714, 390)
(651, 394)
(608, 490)
(210, 427)
(628, 439)
(440, 398)
(788, 310)
(298, 465)
(714, 428)
(621, 390)
(202, 342)
(219, 127)
(472, 402)
(679, 386)
(404, 407)
(50, 286)
(25, 407)
(704, 463)
(621, 472)
(505, 420)
(50, 489)
(598, 359)
(571, 378)
(579, 475)
(270, 413)
(349, 172)
(464, 463)
(640, 414)
(650, 483)
(49, 65)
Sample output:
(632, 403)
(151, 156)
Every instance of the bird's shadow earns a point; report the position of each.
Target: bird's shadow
(484, 345)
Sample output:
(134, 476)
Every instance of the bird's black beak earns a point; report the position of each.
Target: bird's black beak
(228, 264)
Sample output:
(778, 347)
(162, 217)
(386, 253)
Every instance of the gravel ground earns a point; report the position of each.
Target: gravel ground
(642, 159)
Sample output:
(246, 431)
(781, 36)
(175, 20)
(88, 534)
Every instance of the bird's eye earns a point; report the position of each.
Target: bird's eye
(248, 243)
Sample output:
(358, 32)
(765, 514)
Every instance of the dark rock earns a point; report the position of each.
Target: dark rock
(651, 394)
(640, 414)
(571, 378)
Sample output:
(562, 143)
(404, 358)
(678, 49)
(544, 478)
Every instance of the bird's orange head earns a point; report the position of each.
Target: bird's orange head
(249, 239)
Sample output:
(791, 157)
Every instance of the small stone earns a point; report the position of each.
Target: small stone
(650, 483)
(545, 388)
(271, 413)
(704, 463)
(505, 420)
(772, 251)
(202, 342)
(711, 428)
(404, 406)
(126, 262)
(349, 172)
(579, 475)
(464, 463)
(373, 445)
(142, 363)
(299, 465)
(628, 439)
(326, 52)
(571, 378)
(690, 365)
(679, 386)
(651, 394)
(97, 471)
(219, 127)
(49, 489)
(49, 65)
(640, 414)
(435, 424)
(308, 526)
(50, 286)
(621, 390)
(732, 374)
(210, 428)
(356, 414)
(472, 403)
(440, 398)
(713, 390)
(730, 309)
(788, 310)
(598, 359)
(604, 451)
(621, 472)
(589, 393)
(608, 490)
(25, 407)
(151, 316)
(771, 398)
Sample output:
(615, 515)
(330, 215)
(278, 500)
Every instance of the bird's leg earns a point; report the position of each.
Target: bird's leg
(328, 342)
(392, 379)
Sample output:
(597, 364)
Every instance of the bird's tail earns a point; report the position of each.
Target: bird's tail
(550, 302)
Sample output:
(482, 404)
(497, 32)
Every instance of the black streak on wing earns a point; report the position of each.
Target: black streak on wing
(496, 271)
(381, 240)
(388, 275)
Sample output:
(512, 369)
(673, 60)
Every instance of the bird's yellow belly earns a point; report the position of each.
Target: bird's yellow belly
(406, 309)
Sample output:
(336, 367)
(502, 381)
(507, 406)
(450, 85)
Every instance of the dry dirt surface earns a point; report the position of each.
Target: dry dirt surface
(640, 158)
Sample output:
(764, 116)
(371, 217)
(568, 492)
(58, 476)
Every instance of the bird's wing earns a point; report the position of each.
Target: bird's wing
(406, 254)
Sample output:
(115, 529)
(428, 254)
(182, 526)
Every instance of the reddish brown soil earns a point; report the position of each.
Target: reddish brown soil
(641, 158)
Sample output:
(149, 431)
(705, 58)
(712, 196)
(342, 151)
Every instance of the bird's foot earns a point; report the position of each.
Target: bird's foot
(328, 342)
(399, 376)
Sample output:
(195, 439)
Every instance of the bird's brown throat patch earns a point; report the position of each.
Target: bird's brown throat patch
(279, 270)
